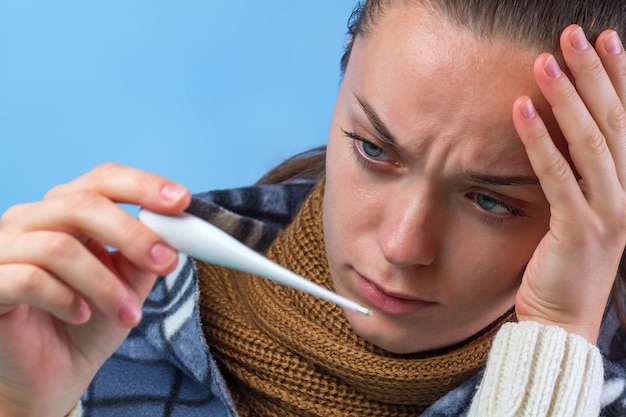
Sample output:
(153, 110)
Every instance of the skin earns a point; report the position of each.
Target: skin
(403, 219)
(56, 327)
(421, 232)
(66, 303)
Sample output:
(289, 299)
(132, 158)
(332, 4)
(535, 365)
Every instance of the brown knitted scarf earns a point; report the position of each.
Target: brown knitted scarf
(285, 353)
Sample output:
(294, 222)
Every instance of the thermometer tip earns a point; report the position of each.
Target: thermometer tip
(364, 311)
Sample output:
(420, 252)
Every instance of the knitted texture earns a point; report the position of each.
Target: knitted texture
(285, 353)
(538, 370)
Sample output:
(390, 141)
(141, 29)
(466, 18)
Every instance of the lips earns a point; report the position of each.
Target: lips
(391, 303)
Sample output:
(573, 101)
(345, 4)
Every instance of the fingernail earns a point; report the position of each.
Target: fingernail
(161, 254)
(84, 312)
(129, 313)
(551, 67)
(173, 192)
(578, 40)
(612, 44)
(528, 109)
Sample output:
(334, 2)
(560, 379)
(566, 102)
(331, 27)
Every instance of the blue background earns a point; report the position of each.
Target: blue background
(211, 94)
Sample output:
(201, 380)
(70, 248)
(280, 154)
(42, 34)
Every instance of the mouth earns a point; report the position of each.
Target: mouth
(389, 302)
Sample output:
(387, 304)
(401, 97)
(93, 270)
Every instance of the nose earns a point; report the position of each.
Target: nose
(411, 231)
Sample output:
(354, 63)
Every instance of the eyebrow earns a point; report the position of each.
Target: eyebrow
(379, 125)
(500, 179)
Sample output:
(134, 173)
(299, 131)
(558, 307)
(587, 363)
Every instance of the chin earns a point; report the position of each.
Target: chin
(400, 338)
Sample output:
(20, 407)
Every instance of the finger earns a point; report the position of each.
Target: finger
(586, 143)
(142, 282)
(611, 52)
(72, 265)
(131, 186)
(27, 284)
(138, 280)
(92, 216)
(557, 178)
(590, 77)
(596, 89)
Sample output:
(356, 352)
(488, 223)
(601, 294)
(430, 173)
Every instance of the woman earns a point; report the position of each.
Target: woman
(448, 214)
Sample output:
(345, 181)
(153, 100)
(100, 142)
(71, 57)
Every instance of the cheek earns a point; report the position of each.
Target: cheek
(346, 211)
(493, 268)
(338, 203)
(342, 185)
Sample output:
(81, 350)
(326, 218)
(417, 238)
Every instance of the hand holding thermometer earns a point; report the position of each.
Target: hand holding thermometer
(204, 241)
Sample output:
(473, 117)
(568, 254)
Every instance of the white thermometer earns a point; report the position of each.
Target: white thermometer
(203, 241)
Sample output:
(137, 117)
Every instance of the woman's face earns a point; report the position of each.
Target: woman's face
(431, 207)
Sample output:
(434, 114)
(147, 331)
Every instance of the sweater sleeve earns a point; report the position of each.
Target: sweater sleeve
(535, 370)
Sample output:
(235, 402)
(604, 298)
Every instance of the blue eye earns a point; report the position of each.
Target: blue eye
(493, 206)
(371, 150)
(369, 154)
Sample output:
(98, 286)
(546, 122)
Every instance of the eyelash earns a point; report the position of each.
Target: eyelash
(367, 162)
(496, 219)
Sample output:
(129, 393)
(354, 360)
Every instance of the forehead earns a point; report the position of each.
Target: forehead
(427, 79)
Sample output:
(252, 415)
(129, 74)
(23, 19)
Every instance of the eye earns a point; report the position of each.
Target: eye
(492, 205)
(370, 150)
(495, 206)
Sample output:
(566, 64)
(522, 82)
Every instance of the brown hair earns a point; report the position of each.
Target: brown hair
(533, 23)
(308, 165)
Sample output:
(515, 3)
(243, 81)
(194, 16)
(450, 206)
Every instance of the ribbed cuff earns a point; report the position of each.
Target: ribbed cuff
(536, 370)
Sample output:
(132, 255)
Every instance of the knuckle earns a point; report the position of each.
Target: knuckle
(142, 239)
(56, 191)
(570, 94)
(28, 280)
(594, 141)
(595, 68)
(137, 233)
(59, 245)
(617, 118)
(83, 200)
(146, 182)
(105, 170)
(66, 300)
(86, 181)
(111, 292)
(557, 167)
(11, 215)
